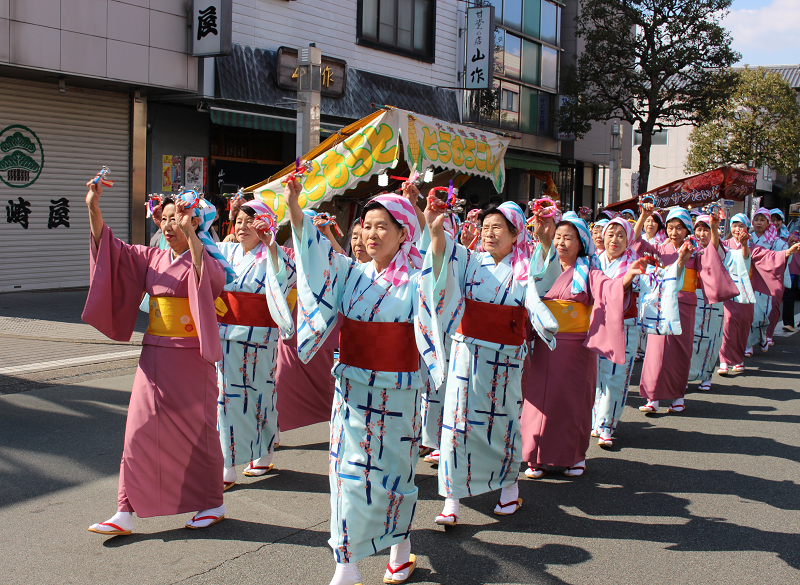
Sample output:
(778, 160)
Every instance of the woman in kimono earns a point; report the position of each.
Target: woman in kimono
(708, 320)
(597, 234)
(589, 308)
(764, 235)
(613, 379)
(778, 219)
(171, 456)
(766, 269)
(668, 358)
(653, 229)
(375, 424)
(488, 296)
(254, 315)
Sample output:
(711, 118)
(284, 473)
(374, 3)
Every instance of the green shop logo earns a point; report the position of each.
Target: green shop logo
(21, 156)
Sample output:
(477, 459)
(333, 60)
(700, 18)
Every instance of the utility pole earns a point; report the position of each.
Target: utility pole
(309, 86)
(616, 162)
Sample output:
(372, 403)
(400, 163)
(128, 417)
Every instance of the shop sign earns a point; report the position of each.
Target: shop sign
(377, 146)
(333, 73)
(212, 27)
(21, 156)
(479, 57)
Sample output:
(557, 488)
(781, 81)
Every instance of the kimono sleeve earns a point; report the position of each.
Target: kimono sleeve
(201, 303)
(739, 269)
(441, 306)
(542, 320)
(320, 286)
(768, 270)
(544, 269)
(279, 283)
(606, 335)
(659, 312)
(717, 284)
(117, 279)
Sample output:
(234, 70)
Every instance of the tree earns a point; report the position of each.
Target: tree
(655, 63)
(759, 124)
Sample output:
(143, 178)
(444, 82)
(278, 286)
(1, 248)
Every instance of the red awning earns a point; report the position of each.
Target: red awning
(699, 190)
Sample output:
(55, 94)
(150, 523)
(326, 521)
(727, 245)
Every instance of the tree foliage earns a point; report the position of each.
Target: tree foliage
(760, 122)
(653, 63)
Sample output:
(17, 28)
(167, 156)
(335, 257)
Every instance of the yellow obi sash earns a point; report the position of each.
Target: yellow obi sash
(291, 299)
(571, 317)
(171, 317)
(689, 280)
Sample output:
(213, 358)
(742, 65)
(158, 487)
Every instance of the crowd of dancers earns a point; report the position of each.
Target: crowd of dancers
(480, 345)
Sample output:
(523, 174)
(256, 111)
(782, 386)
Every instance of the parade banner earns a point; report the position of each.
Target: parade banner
(379, 144)
(699, 190)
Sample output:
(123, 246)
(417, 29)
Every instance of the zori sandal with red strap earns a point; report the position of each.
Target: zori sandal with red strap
(206, 518)
(517, 505)
(410, 565)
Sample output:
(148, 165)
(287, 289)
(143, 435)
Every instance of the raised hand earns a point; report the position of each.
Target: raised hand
(183, 217)
(434, 213)
(685, 253)
(793, 250)
(93, 195)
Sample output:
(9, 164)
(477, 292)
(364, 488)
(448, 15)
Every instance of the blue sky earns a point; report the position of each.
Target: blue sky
(765, 32)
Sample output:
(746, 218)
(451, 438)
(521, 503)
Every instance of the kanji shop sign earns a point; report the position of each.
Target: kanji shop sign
(212, 27)
(479, 57)
(21, 156)
(333, 73)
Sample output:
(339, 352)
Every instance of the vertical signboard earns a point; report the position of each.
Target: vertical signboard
(212, 27)
(479, 56)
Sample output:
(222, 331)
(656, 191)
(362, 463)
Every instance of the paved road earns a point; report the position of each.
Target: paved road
(707, 496)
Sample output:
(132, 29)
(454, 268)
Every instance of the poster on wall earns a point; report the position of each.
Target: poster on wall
(196, 172)
(166, 173)
(177, 173)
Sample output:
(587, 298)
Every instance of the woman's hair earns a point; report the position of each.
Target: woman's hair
(659, 221)
(167, 200)
(492, 210)
(248, 211)
(376, 205)
(569, 224)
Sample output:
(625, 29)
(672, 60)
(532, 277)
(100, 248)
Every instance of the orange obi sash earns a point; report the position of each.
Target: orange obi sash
(689, 280)
(501, 324)
(572, 317)
(633, 310)
(241, 308)
(376, 346)
(171, 317)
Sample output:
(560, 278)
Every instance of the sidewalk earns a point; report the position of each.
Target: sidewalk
(43, 338)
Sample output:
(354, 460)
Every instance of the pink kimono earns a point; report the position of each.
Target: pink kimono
(668, 358)
(305, 391)
(559, 385)
(171, 459)
(766, 276)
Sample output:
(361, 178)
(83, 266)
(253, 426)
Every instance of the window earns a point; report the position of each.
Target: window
(398, 26)
(659, 137)
(549, 68)
(509, 106)
(551, 22)
(530, 18)
(512, 14)
(530, 62)
(512, 56)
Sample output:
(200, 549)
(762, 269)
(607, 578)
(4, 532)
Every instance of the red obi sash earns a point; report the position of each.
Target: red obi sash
(633, 310)
(248, 309)
(380, 347)
(503, 324)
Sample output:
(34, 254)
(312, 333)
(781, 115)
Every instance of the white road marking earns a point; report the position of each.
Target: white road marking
(77, 361)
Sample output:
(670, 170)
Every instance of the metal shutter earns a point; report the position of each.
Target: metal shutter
(80, 131)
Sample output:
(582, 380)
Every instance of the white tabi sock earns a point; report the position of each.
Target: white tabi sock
(398, 556)
(346, 574)
(209, 516)
(677, 402)
(229, 474)
(510, 493)
(264, 460)
(451, 506)
(653, 403)
(122, 519)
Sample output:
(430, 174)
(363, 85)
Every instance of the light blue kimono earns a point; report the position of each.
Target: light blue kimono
(709, 318)
(247, 415)
(375, 422)
(483, 396)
